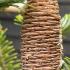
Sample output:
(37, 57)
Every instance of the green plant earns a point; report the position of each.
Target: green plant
(4, 3)
(8, 56)
(65, 26)
(18, 19)
(66, 64)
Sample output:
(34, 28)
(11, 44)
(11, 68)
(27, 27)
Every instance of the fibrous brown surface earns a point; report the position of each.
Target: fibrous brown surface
(40, 49)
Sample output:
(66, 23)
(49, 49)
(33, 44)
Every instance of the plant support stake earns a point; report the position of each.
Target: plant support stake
(41, 37)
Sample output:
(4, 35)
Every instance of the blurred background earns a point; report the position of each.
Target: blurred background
(13, 32)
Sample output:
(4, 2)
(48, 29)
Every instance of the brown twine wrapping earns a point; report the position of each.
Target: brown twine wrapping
(40, 36)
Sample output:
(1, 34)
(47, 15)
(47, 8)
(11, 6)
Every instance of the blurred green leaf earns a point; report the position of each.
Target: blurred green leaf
(66, 65)
(65, 24)
(18, 19)
(4, 3)
(8, 55)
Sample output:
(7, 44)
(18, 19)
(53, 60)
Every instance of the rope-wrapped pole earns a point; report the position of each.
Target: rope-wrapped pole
(40, 36)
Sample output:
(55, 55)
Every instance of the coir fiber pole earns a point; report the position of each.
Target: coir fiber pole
(40, 36)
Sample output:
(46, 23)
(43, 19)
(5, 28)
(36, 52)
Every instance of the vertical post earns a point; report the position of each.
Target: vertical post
(40, 36)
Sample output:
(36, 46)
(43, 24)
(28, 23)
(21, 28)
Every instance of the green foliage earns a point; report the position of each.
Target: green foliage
(65, 24)
(66, 64)
(8, 56)
(18, 19)
(4, 3)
